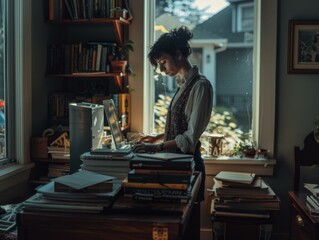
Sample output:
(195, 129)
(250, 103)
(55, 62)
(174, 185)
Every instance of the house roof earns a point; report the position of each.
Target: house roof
(166, 22)
(219, 26)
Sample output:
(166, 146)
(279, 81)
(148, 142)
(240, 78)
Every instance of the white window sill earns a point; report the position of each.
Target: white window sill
(14, 174)
(260, 166)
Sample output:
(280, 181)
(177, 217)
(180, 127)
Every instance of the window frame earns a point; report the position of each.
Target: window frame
(20, 98)
(264, 88)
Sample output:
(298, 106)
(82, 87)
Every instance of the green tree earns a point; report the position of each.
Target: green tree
(185, 10)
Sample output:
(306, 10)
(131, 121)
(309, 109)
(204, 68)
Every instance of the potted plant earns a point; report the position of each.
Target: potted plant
(245, 148)
(119, 61)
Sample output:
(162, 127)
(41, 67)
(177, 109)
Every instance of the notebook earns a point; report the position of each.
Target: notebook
(115, 127)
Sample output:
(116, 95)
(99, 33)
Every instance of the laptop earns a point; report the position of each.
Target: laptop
(116, 132)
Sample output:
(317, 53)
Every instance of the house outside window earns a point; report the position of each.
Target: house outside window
(226, 60)
(211, 53)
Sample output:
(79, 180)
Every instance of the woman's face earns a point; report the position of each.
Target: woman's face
(168, 65)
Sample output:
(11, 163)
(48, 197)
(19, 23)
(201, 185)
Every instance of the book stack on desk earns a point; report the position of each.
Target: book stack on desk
(109, 162)
(312, 198)
(162, 177)
(239, 194)
(82, 191)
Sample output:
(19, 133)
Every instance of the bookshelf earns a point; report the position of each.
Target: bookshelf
(73, 74)
(86, 36)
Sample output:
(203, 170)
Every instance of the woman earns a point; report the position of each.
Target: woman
(190, 109)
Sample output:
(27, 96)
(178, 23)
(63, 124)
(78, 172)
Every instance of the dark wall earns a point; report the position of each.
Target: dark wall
(297, 104)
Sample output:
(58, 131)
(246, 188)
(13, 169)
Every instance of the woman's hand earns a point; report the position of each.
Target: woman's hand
(146, 147)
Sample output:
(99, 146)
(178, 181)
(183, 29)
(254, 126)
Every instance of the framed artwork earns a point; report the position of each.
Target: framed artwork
(303, 51)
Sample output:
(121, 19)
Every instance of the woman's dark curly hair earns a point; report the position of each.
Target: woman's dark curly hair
(171, 42)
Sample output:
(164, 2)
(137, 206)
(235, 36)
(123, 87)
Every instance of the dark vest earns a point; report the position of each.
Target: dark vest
(176, 122)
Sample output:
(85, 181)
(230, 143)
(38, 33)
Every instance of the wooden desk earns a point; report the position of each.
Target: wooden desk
(303, 226)
(126, 220)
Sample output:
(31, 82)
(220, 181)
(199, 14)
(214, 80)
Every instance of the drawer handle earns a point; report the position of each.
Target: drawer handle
(300, 221)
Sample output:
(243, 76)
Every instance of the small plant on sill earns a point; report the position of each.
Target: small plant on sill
(245, 148)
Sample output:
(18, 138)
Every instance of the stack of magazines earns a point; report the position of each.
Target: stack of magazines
(240, 194)
(83, 191)
(111, 162)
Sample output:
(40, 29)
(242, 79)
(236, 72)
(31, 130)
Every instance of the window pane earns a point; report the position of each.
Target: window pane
(2, 81)
(247, 18)
(223, 56)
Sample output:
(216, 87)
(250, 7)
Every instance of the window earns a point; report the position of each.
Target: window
(261, 108)
(245, 17)
(5, 49)
(15, 84)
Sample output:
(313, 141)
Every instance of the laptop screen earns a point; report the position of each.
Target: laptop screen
(112, 119)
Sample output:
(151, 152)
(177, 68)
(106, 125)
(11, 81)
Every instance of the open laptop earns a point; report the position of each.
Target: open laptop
(115, 128)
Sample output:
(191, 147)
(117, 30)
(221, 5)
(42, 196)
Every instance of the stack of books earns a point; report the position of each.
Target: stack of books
(161, 177)
(312, 198)
(59, 152)
(56, 170)
(240, 194)
(82, 191)
(109, 162)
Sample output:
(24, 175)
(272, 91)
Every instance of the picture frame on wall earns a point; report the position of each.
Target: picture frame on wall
(303, 47)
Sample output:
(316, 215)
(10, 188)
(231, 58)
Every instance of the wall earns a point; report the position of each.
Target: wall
(296, 101)
(296, 104)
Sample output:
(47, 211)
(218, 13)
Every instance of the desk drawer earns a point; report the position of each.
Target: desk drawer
(301, 227)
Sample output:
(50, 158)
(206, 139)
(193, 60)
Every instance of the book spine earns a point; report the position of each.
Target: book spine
(124, 108)
(180, 186)
(158, 178)
(158, 192)
(165, 165)
(151, 198)
(151, 171)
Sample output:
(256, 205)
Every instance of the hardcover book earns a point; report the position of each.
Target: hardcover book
(181, 186)
(157, 178)
(236, 177)
(148, 163)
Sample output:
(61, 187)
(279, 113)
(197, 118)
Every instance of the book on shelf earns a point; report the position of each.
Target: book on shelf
(122, 103)
(150, 163)
(236, 177)
(79, 57)
(157, 178)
